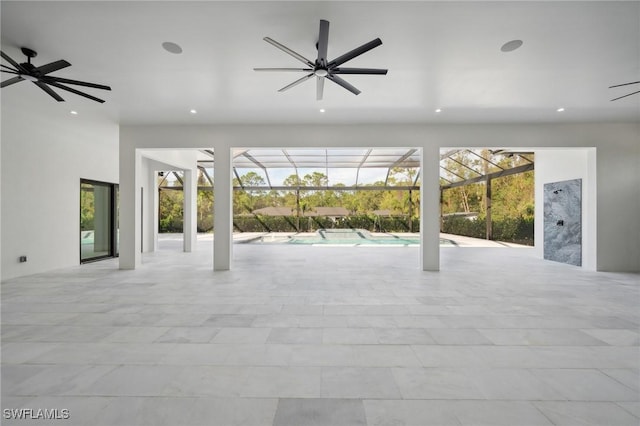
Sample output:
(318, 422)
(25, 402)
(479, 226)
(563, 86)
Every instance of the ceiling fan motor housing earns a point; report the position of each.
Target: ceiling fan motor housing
(322, 68)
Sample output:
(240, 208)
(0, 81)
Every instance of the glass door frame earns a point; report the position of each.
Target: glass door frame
(113, 201)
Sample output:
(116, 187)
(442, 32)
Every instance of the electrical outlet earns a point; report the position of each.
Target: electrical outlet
(22, 259)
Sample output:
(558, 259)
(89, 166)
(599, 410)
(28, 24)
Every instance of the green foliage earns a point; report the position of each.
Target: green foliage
(87, 208)
(171, 211)
(516, 230)
(259, 223)
(357, 202)
(512, 206)
(264, 223)
(462, 226)
(205, 210)
(512, 201)
(513, 196)
(468, 198)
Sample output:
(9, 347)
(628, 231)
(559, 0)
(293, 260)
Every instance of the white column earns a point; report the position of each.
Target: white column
(130, 203)
(190, 219)
(430, 209)
(155, 219)
(222, 210)
(150, 210)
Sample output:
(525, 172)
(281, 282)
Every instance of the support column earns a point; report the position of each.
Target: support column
(487, 200)
(430, 209)
(190, 219)
(130, 208)
(150, 202)
(222, 210)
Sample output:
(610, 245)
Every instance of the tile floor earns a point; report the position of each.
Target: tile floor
(324, 336)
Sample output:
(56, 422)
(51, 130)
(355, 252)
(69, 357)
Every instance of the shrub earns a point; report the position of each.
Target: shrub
(313, 223)
(516, 230)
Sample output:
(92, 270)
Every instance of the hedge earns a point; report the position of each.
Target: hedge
(515, 230)
(310, 224)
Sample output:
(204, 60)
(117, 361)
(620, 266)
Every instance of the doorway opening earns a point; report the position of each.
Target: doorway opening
(341, 196)
(488, 194)
(99, 227)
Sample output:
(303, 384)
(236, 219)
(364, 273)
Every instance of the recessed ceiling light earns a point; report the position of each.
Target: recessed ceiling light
(438, 110)
(193, 111)
(172, 47)
(73, 112)
(560, 109)
(512, 45)
(322, 109)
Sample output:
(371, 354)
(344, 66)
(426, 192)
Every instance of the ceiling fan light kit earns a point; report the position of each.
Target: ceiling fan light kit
(39, 76)
(322, 68)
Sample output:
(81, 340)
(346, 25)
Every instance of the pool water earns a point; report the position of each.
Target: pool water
(351, 241)
(348, 237)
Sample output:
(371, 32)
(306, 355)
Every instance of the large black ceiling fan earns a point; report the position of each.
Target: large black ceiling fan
(322, 68)
(625, 84)
(39, 76)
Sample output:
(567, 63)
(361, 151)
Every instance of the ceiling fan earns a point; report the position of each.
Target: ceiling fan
(625, 84)
(39, 76)
(322, 68)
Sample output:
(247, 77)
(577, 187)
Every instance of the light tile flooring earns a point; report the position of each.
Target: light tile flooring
(324, 336)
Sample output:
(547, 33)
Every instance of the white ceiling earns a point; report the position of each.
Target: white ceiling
(439, 55)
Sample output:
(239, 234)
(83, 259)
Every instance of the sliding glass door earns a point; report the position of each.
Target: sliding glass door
(98, 220)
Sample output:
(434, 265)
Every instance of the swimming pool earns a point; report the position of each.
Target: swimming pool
(345, 237)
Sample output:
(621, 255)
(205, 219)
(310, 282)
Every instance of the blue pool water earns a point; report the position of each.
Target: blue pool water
(347, 237)
(351, 241)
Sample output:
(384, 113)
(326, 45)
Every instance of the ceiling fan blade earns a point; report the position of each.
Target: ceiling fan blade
(47, 89)
(10, 72)
(323, 43)
(12, 62)
(9, 68)
(77, 92)
(283, 69)
(295, 83)
(319, 88)
(341, 82)
(11, 81)
(372, 71)
(624, 84)
(355, 52)
(625, 96)
(52, 79)
(289, 51)
(53, 66)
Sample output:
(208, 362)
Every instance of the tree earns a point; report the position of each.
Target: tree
(171, 210)
(248, 201)
(205, 210)
(87, 207)
(315, 179)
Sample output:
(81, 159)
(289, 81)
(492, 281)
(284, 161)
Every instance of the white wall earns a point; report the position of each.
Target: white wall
(45, 153)
(617, 170)
(555, 165)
